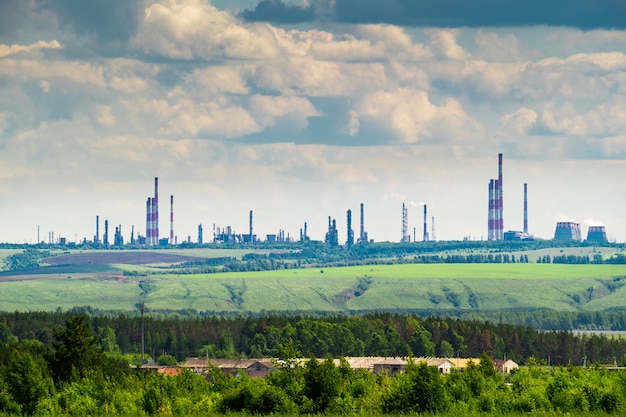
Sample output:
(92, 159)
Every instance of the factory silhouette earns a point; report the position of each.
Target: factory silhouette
(565, 231)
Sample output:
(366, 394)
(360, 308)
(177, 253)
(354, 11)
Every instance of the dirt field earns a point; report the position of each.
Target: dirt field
(119, 257)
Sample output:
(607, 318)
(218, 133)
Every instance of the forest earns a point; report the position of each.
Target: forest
(82, 373)
(375, 334)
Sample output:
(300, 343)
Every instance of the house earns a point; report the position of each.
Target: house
(506, 366)
(461, 364)
(389, 366)
(442, 364)
(254, 368)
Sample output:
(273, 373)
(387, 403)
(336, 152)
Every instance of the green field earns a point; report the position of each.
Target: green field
(433, 287)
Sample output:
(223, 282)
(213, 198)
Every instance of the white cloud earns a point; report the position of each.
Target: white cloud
(184, 117)
(606, 119)
(424, 114)
(129, 85)
(77, 72)
(443, 44)
(267, 110)
(321, 78)
(520, 120)
(6, 50)
(188, 29)
(219, 79)
(411, 117)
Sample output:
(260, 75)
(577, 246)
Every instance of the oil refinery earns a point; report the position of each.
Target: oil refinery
(565, 230)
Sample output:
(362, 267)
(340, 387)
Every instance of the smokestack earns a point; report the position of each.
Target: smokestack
(405, 224)
(433, 230)
(155, 218)
(251, 236)
(425, 224)
(149, 221)
(171, 220)
(492, 210)
(306, 237)
(500, 200)
(97, 239)
(106, 233)
(525, 208)
(350, 240)
(362, 231)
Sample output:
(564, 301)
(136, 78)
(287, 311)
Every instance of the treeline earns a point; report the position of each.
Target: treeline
(279, 261)
(76, 375)
(379, 334)
(28, 259)
(318, 254)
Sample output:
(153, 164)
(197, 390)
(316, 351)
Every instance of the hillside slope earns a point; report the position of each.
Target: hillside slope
(415, 287)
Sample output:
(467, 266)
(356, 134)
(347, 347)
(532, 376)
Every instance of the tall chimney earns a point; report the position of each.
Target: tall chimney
(362, 231)
(149, 221)
(425, 224)
(500, 201)
(490, 212)
(405, 224)
(97, 239)
(171, 220)
(433, 230)
(350, 240)
(155, 218)
(306, 237)
(251, 235)
(525, 208)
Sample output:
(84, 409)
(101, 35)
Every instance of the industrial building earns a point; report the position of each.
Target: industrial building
(517, 235)
(564, 230)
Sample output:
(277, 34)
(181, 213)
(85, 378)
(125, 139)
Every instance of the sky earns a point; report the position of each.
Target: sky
(301, 110)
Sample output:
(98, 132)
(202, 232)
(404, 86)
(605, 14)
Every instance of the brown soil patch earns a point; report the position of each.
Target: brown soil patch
(118, 257)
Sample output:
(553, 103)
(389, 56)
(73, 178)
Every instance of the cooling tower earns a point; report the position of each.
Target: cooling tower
(597, 234)
(567, 231)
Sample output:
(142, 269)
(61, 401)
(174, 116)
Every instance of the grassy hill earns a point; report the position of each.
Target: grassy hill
(428, 287)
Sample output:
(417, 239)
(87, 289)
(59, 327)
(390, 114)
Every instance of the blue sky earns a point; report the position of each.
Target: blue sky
(303, 110)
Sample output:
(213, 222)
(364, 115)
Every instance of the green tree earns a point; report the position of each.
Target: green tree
(76, 353)
(108, 340)
(322, 382)
(166, 360)
(420, 389)
(27, 381)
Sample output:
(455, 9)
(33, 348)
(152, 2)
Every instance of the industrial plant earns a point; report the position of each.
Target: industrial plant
(565, 230)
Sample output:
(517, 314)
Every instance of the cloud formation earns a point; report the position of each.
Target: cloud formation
(312, 118)
(581, 14)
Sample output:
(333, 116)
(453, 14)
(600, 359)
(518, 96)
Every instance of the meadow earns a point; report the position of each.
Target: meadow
(426, 287)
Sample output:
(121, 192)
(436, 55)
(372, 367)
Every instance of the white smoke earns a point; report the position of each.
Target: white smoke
(398, 197)
(592, 222)
(561, 217)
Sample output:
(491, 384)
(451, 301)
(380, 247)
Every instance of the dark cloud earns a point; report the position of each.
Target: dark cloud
(106, 20)
(582, 14)
(277, 11)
